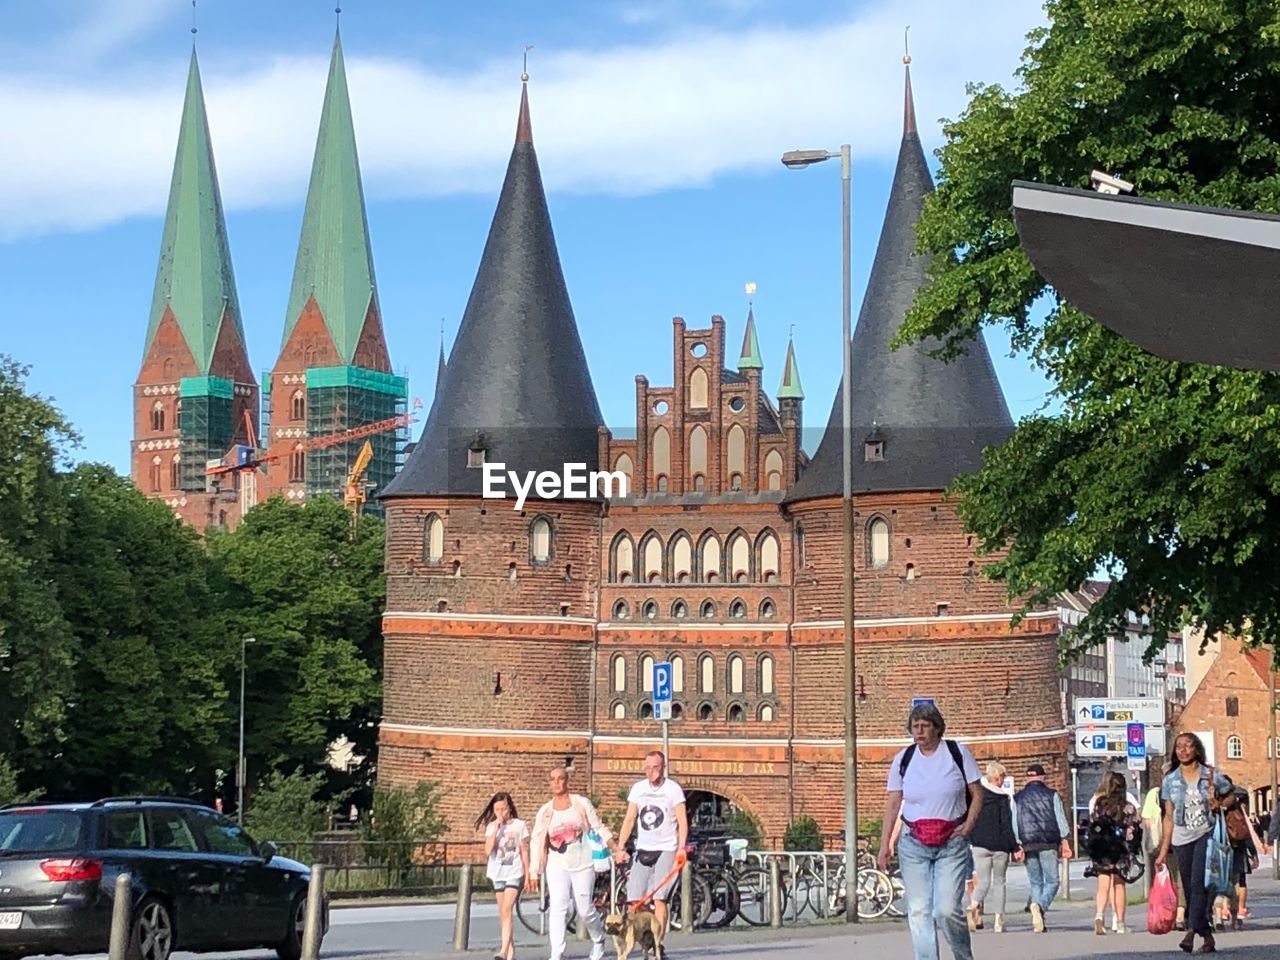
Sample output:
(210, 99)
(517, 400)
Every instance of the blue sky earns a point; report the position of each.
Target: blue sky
(658, 126)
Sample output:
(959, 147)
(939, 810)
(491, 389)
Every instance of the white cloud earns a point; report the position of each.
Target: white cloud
(625, 119)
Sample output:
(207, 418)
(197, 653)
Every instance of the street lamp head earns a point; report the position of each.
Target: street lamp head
(249, 640)
(797, 159)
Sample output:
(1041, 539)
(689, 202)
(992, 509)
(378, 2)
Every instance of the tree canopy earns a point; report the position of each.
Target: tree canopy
(1164, 475)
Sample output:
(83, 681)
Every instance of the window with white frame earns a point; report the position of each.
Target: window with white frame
(1235, 748)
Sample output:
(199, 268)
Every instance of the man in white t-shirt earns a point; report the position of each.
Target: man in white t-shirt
(656, 806)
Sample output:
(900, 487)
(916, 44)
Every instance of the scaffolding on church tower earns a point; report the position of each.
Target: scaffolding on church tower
(344, 398)
(205, 426)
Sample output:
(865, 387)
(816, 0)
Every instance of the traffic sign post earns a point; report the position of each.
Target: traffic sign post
(1111, 740)
(662, 691)
(1105, 728)
(1136, 737)
(1097, 710)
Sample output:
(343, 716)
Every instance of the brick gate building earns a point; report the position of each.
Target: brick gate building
(520, 639)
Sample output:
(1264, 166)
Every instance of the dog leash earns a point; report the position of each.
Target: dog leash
(681, 859)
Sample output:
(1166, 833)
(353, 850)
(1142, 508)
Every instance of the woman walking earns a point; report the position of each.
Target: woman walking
(1114, 825)
(1188, 821)
(560, 845)
(506, 848)
(995, 840)
(931, 783)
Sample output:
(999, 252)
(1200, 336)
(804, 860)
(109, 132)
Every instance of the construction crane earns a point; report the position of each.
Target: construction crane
(355, 493)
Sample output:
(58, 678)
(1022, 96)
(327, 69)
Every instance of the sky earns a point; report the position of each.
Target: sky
(659, 126)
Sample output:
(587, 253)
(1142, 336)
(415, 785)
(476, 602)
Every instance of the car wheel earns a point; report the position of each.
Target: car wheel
(290, 948)
(152, 934)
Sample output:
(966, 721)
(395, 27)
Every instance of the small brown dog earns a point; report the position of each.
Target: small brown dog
(635, 928)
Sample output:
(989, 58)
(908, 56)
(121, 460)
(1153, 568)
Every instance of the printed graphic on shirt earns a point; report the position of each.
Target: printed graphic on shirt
(651, 818)
(1194, 813)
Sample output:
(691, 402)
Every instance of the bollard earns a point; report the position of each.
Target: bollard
(775, 894)
(313, 924)
(121, 913)
(686, 898)
(462, 913)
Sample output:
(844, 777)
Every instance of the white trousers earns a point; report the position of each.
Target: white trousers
(562, 885)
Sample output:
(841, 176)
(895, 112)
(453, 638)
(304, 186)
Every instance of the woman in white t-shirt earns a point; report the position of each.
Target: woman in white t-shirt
(506, 848)
(560, 846)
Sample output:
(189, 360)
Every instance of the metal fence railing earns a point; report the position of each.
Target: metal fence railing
(387, 867)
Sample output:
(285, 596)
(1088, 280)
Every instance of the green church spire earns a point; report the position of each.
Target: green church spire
(335, 262)
(789, 388)
(750, 358)
(194, 278)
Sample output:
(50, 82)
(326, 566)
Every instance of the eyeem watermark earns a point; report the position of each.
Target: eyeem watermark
(575, 482)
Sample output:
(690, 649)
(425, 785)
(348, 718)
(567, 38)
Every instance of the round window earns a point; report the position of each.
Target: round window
(698, 350)
(736, 404)
(660, 407)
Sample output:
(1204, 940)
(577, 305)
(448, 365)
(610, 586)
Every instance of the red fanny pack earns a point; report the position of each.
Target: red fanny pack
(934, 833)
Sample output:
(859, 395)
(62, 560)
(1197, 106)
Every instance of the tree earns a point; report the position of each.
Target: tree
(1164, 475)
(9, 792)
(285, 808)
(400, 822)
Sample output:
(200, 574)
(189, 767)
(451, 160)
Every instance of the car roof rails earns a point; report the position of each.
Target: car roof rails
(186, 801)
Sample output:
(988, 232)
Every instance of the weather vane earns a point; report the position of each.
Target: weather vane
(906, 45)
(751, 291)
(193, 17)
(524, 75)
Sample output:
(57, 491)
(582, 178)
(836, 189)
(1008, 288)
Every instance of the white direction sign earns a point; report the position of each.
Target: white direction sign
(1112, 740)
(662, 710)
(1099, 710)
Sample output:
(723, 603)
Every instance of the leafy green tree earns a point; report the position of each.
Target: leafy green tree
(400, 822)
(9, 792)
(286, 807)
(802, 833)
(1165, 475)
(312, 599)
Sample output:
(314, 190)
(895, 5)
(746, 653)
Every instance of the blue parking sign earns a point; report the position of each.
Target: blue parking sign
(1098, 712)
(662, 682)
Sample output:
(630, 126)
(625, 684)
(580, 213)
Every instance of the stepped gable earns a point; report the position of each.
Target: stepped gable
(933, 418)
(516, 383)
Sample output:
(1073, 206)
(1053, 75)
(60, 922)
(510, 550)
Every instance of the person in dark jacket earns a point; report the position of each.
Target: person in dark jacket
(1043, 830)
(995, 840)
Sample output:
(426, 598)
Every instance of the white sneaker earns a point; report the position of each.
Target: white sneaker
(597, 951)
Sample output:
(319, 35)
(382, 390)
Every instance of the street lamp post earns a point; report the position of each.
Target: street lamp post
(244, 643)
(798, 159)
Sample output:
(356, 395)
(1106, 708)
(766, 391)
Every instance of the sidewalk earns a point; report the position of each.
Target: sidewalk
(1070, 937)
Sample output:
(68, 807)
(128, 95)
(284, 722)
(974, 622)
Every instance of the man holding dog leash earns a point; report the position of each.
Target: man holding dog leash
(656, 806)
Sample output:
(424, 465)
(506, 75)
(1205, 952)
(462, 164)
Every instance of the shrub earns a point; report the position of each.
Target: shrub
(401, 821)
(742, 824)
(802, 834)
(284, 808)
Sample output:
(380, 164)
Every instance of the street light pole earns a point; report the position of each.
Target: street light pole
(796, 159)
(244, 643)
(1275, 758)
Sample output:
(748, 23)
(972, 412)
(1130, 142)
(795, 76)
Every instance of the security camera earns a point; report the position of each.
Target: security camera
(1105, 183)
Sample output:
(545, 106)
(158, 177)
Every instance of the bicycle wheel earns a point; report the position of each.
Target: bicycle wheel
(701, 903)
(808, 891)
(531, 911)
(1130, 869)
(753, 896)
(724, 899)
(875, 893)
(899, 896)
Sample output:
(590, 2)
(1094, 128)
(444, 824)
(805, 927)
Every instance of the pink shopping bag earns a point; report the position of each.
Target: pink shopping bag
(1162, 905)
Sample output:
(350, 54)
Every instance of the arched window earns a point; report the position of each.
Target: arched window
(433, 539)
(797, 548)
(735, 674)
(512, 573)
(1233, 706)
(737, 459)
(698, 389)
(738, 610)
(619, 672)
(706, 712)
(739, 559)
(175, 472)
(298, 464)
(650, 610)
(677, 712)
(706, 674)
(710, 558)
(457, 569)
(621, 611)
(627, 468)
(679, 610)
(698, 451)
(677, 673)
(768, 557)
(766, 713)
(736, 713)
(540, 540)
(707, 610)
(298, 406)
(619, 710)
(624, 559)
(646, 674)
(155, 474)
(646, 711)
(1235, 748)
(765, 679)
(681, 558)
(773, 470)
(660, 483)
(661, 465)
(157, 417)
(768, 610)
(878, 542)
(652, 558)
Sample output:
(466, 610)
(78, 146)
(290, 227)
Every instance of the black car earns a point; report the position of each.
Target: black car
(199, 881)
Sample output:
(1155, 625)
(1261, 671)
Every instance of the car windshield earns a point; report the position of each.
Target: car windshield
(30, 831)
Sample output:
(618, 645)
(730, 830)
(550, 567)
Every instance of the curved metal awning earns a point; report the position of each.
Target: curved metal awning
(1196, 284)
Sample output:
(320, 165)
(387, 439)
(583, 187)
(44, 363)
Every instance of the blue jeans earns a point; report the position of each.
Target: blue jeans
(934, 878)
(1042, 875)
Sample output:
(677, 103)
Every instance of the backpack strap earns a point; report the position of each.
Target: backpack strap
(958, 757)
(906, 759)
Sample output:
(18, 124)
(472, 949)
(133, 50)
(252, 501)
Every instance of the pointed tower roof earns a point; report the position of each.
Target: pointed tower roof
(789, 388)
(194, 278)
(750, 358)
(335, 260)
(934, 418)
(517, 374)
(441, 366)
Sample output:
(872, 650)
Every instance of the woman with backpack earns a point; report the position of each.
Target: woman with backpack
(1114, 826)
(995, 840)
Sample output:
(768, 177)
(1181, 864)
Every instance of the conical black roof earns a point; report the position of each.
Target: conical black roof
(933, 418)
(517, 376)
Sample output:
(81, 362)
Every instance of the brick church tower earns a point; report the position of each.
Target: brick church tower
(334, 371)
(195, 393)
